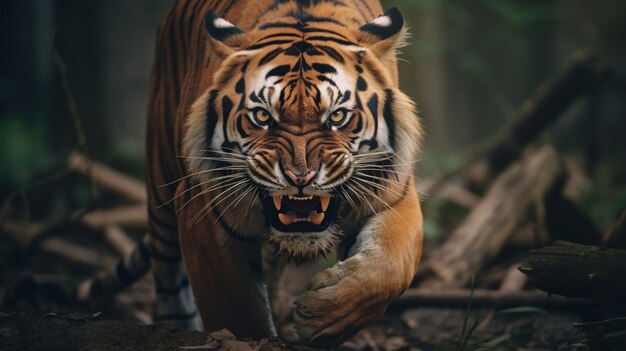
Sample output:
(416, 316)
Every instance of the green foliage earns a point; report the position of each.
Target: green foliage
(603, 201)
(23, 150)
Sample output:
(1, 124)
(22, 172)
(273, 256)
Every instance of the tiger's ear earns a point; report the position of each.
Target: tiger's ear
(224, 37)
(383, 34)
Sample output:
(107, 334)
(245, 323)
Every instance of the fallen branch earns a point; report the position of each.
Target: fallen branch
(135, 216)
(513, 280)
(450, 192)
(107, 177)
(118, 238)
(78, 254)
(485, 298)
(578, 271)
(537, 113)
(487, 228)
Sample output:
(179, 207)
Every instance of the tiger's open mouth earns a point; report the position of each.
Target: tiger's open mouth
(290, 213)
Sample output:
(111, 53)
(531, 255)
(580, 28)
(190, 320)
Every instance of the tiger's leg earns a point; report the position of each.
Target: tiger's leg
(174, 304)
(355, 292)
(225, 273)
(273, 267)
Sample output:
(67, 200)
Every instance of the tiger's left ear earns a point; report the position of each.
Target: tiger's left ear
(225, 37)
(384, 33)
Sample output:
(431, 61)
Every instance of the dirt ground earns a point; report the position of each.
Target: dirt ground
(417, 329)
(39, 312)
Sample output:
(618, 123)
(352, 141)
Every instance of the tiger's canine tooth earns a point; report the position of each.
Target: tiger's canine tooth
(277, 201)
(325, 200)
(285, 219)
(317, 218)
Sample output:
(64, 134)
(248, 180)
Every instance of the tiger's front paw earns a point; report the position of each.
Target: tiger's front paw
(341, 300)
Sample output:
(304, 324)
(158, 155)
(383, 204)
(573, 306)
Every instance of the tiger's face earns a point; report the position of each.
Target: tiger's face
(302, 115)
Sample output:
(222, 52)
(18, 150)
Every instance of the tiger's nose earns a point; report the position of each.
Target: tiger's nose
(300, 179)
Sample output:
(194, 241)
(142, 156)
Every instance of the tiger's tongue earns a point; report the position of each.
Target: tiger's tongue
(313, 217)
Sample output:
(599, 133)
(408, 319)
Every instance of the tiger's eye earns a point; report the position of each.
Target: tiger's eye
(262, 116)
(337, 117)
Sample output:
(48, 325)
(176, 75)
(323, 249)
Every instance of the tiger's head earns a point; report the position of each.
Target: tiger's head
(304, 126)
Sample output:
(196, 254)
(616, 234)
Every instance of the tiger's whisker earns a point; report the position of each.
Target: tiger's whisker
(196, 174)
(230, 176)
(235, 202)
(213, 202)
(220, 186)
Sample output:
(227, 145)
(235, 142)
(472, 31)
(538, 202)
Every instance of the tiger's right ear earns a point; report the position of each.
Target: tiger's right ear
(225, 37)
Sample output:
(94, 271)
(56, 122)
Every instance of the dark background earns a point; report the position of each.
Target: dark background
(469, 66)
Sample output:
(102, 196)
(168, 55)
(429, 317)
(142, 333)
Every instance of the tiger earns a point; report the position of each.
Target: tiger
(277, 133)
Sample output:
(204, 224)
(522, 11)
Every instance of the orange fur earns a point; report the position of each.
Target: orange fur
(387, 234)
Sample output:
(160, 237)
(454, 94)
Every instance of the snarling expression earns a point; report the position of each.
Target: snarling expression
(303, 116)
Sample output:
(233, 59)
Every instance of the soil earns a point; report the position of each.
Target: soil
(41, 313)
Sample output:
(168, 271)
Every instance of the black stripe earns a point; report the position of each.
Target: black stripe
(181, 31)
(172, 291)
(324, 68)
(278, 71)
(268, 43)
(270, 56)
(227, 8)
(123, 275)
(361, 84)
(325, 38)
(156, 255)
(227, 106)
(211, 118)
(230, 231)
(144, 251)
(369, 9)
(173, 64)
(372, 104)
(322, 30)
(166, 241)
(346, 96)
(277, 35)
(240, 128)
(159, 222)
(297, 26)
(388, 115)
(385, 32)
(331, 52)
(305, 17)
(219, 33)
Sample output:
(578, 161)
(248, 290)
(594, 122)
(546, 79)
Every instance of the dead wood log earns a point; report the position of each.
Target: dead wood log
(542, 109)
(487, 228)
(616, 236)
(513, 279)
(450, 192)
(78, 253)
(135, 216)
(118, 238)
(485, 298)
(539, 111)
(25, 233)
(107, 177)
(578, 271)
